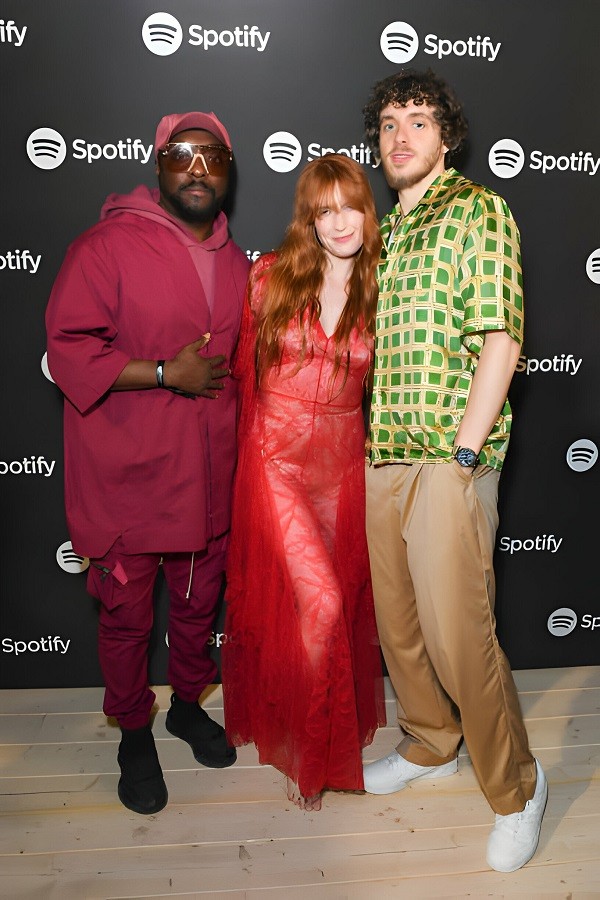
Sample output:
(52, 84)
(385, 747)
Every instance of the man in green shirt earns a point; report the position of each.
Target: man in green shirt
(449, 331)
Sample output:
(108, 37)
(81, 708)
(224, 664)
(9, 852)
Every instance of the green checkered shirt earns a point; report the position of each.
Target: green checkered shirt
(449, 271)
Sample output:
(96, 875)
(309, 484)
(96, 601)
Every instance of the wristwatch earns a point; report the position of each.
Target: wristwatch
(466, 457)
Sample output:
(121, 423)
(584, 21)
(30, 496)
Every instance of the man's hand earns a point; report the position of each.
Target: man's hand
(187, 372)
(195, 374)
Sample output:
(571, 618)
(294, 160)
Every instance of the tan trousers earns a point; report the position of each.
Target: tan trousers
(431, 531)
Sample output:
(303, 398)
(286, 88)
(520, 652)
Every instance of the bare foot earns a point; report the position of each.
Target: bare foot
(310, 804)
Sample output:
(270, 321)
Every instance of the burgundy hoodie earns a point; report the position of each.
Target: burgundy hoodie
(150, 466)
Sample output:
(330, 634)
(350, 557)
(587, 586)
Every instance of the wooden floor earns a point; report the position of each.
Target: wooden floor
(232, 833)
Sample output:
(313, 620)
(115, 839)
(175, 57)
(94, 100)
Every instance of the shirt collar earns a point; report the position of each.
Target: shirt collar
(436, 191)
(439, 187)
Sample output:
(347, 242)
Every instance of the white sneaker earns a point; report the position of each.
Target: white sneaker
(393, 772)
(514, 839)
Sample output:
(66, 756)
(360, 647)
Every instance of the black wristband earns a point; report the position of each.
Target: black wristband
(160, 381)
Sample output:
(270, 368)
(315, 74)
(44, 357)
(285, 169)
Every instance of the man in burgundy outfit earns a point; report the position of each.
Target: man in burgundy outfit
(142, 322)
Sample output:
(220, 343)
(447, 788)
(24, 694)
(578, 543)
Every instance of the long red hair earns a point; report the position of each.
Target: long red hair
(296, 278)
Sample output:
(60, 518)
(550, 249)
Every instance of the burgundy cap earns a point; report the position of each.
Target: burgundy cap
(170, 125)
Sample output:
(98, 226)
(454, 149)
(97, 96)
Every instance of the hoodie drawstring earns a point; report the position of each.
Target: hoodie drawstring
(187, 596)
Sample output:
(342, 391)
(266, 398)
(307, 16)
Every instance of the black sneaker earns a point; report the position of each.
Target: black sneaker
(193, 725)
(141, 787)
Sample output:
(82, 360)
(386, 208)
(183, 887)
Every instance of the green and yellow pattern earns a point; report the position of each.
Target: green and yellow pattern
(450, 270)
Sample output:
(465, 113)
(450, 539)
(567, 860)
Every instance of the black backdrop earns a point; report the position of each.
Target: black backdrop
(88, 81)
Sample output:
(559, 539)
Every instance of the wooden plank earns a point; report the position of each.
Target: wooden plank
(240, 785)
(552, 704)
(61, 727)
(541, 704)
(571, 881)
(49, 700)
(77, 700)
(84, 727)
(419, 807)
(311, 861)
(580, 677)
(562, 731)
(99, 756)
(65, 834)
(199, 785)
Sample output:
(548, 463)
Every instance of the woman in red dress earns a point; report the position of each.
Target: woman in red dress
(301, 667)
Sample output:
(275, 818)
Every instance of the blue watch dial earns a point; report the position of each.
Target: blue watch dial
(466, 457)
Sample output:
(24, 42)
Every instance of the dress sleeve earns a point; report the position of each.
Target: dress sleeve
(243, 368)
(81, 327)
(491, 282)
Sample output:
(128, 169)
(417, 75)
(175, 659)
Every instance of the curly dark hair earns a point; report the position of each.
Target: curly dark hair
(420, 87)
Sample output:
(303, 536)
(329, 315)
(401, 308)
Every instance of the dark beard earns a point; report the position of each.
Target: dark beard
(195, 214)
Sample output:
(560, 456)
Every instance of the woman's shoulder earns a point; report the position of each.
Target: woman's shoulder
(262, 264)
(257, 278)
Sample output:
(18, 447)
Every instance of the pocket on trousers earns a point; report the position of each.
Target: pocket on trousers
(463, 473)
(102, 585)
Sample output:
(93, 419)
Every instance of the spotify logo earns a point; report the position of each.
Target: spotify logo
(582, 455)
(399, 42)
(45, 369)
(69, 561)
(562, 622)
(46, 148)
(506, 158)
(162, 34)
(282, 151)
(592, 266)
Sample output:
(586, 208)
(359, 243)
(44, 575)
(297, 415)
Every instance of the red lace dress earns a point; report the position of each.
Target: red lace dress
(301, 666)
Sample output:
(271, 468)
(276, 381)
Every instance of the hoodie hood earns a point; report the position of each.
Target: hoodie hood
(143, 202)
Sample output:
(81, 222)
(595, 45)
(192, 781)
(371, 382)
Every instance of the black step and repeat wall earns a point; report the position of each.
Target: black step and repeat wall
(84, 83)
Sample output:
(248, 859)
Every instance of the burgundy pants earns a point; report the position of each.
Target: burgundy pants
(124, 584)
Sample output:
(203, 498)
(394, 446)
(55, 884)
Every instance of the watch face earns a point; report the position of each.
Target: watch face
(465, 457)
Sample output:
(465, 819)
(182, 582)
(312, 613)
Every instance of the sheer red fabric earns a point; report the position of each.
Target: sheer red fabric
(302, 674)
